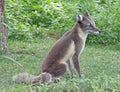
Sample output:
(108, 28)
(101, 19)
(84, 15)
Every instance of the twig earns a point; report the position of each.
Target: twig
(13, 60)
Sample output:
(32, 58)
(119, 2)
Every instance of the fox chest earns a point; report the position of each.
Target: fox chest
(81, 48)
(81, 44)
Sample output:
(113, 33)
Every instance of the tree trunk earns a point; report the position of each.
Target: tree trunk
(3, 32)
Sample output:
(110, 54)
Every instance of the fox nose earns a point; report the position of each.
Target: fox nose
(99, 31)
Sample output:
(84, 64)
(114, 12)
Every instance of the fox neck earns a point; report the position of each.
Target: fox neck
(82, 34)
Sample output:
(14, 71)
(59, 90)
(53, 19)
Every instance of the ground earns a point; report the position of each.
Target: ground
(100, 67)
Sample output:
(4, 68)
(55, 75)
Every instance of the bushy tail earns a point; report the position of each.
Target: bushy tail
(31, 79)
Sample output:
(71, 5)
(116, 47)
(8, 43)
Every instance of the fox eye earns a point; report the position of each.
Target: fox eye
(89, 24)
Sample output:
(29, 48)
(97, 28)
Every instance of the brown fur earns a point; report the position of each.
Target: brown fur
(52, 64)
(67, 48)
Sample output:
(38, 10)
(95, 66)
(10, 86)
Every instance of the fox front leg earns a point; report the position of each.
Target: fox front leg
(70, 67)
(76, 64)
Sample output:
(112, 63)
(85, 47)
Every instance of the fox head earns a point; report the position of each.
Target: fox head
(87, 24)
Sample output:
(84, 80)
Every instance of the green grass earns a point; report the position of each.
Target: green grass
(100, 67)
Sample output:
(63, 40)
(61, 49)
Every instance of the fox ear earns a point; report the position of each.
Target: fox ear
(79, 17)
(86, 14)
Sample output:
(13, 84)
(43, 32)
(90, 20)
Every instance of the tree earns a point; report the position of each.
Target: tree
(3, 32)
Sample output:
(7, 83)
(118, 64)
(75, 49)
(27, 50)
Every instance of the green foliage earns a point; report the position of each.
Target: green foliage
(28, 19)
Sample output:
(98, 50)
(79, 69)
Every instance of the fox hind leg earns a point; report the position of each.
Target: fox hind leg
(59, 70)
